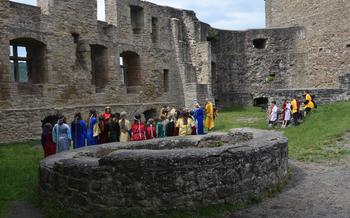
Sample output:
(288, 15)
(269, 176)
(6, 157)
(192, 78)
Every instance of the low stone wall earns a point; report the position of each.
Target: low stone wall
(164, 174)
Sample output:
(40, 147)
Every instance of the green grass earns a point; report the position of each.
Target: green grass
(18, 173)
(237, 117)
(313, 140)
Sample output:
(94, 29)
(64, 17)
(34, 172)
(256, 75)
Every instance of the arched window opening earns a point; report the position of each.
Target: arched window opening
(262, 102)
(99, 66)
(130, 70)
(27, 60)
(150, 114)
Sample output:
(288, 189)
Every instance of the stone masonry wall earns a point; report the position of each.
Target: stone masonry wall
(160, 175)
(327, 35)
(246, 72)
(67, 80)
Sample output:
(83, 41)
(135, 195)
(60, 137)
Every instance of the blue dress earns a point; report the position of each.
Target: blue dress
(62, 136)
(79, 134)
(199, 117)
(91, 140)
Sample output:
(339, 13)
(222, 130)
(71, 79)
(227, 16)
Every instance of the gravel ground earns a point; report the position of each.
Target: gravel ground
(316, 190)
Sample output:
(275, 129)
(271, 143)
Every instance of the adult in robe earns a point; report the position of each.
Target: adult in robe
(209, 115)
(185, 124)
(309, 103)
(101, 131)
(114, 128)
(62, 135)
(79, 131)
(124, 127)
(162, 127)
(151, 132)
(138, 129)
(199, 119)
(107, 114)
(295, 110)
(92, 120)
(47, 142)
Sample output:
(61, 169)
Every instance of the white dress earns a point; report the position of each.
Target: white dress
(274, 114)
(287, 114)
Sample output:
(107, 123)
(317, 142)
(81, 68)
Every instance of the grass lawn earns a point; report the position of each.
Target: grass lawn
(18, 172)
(313, 140)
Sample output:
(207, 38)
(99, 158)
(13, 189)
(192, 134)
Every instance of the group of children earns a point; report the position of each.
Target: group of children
(115, 127)
(291, 110)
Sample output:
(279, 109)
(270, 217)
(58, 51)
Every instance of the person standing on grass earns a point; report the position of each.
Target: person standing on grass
(295, 110)
(138, 129)
(199, 119)
(309, 103)
(151, 129)
(79, 132)
(101, 131)
(92, 120)
(273, 115)
(286, 114)
(161, 127)
(114, 128)
(62, 135)
(46, 140)
(209, 115)
(107, 114)
(185, 124)
(124, 128)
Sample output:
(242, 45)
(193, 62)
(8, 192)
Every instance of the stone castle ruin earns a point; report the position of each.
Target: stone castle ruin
(56, 57)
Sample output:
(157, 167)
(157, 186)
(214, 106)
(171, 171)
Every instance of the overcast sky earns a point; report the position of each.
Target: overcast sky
(225, 14)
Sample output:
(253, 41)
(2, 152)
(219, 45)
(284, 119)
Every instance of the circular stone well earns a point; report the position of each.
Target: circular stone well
(164, 174)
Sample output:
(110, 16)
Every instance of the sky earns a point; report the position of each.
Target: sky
(223, 14)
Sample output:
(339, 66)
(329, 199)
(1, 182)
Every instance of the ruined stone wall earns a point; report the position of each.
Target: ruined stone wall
(245, 72)
(70, 33)
(327, 35)
(164, 174)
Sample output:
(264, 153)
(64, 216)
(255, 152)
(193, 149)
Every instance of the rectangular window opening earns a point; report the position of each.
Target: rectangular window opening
(154, 34)
(166, 80)
(137, 19)
(26, 2)
(101, 10)
(22, 51)
(23, 71)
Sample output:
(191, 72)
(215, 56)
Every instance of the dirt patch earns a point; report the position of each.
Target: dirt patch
(344, 141)
(316, 190)
(21, 209)
(250, 120)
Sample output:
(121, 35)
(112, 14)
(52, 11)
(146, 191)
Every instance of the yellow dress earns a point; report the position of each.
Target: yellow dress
(185, 130)
(294, 104)
(209, 116)
(124, 135)
(310, 104)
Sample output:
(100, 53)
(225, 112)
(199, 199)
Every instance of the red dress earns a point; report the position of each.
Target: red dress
(151, 132)
(106, 117)
(284, 110)
(48, 145)
(103, 136)
(138, 131)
